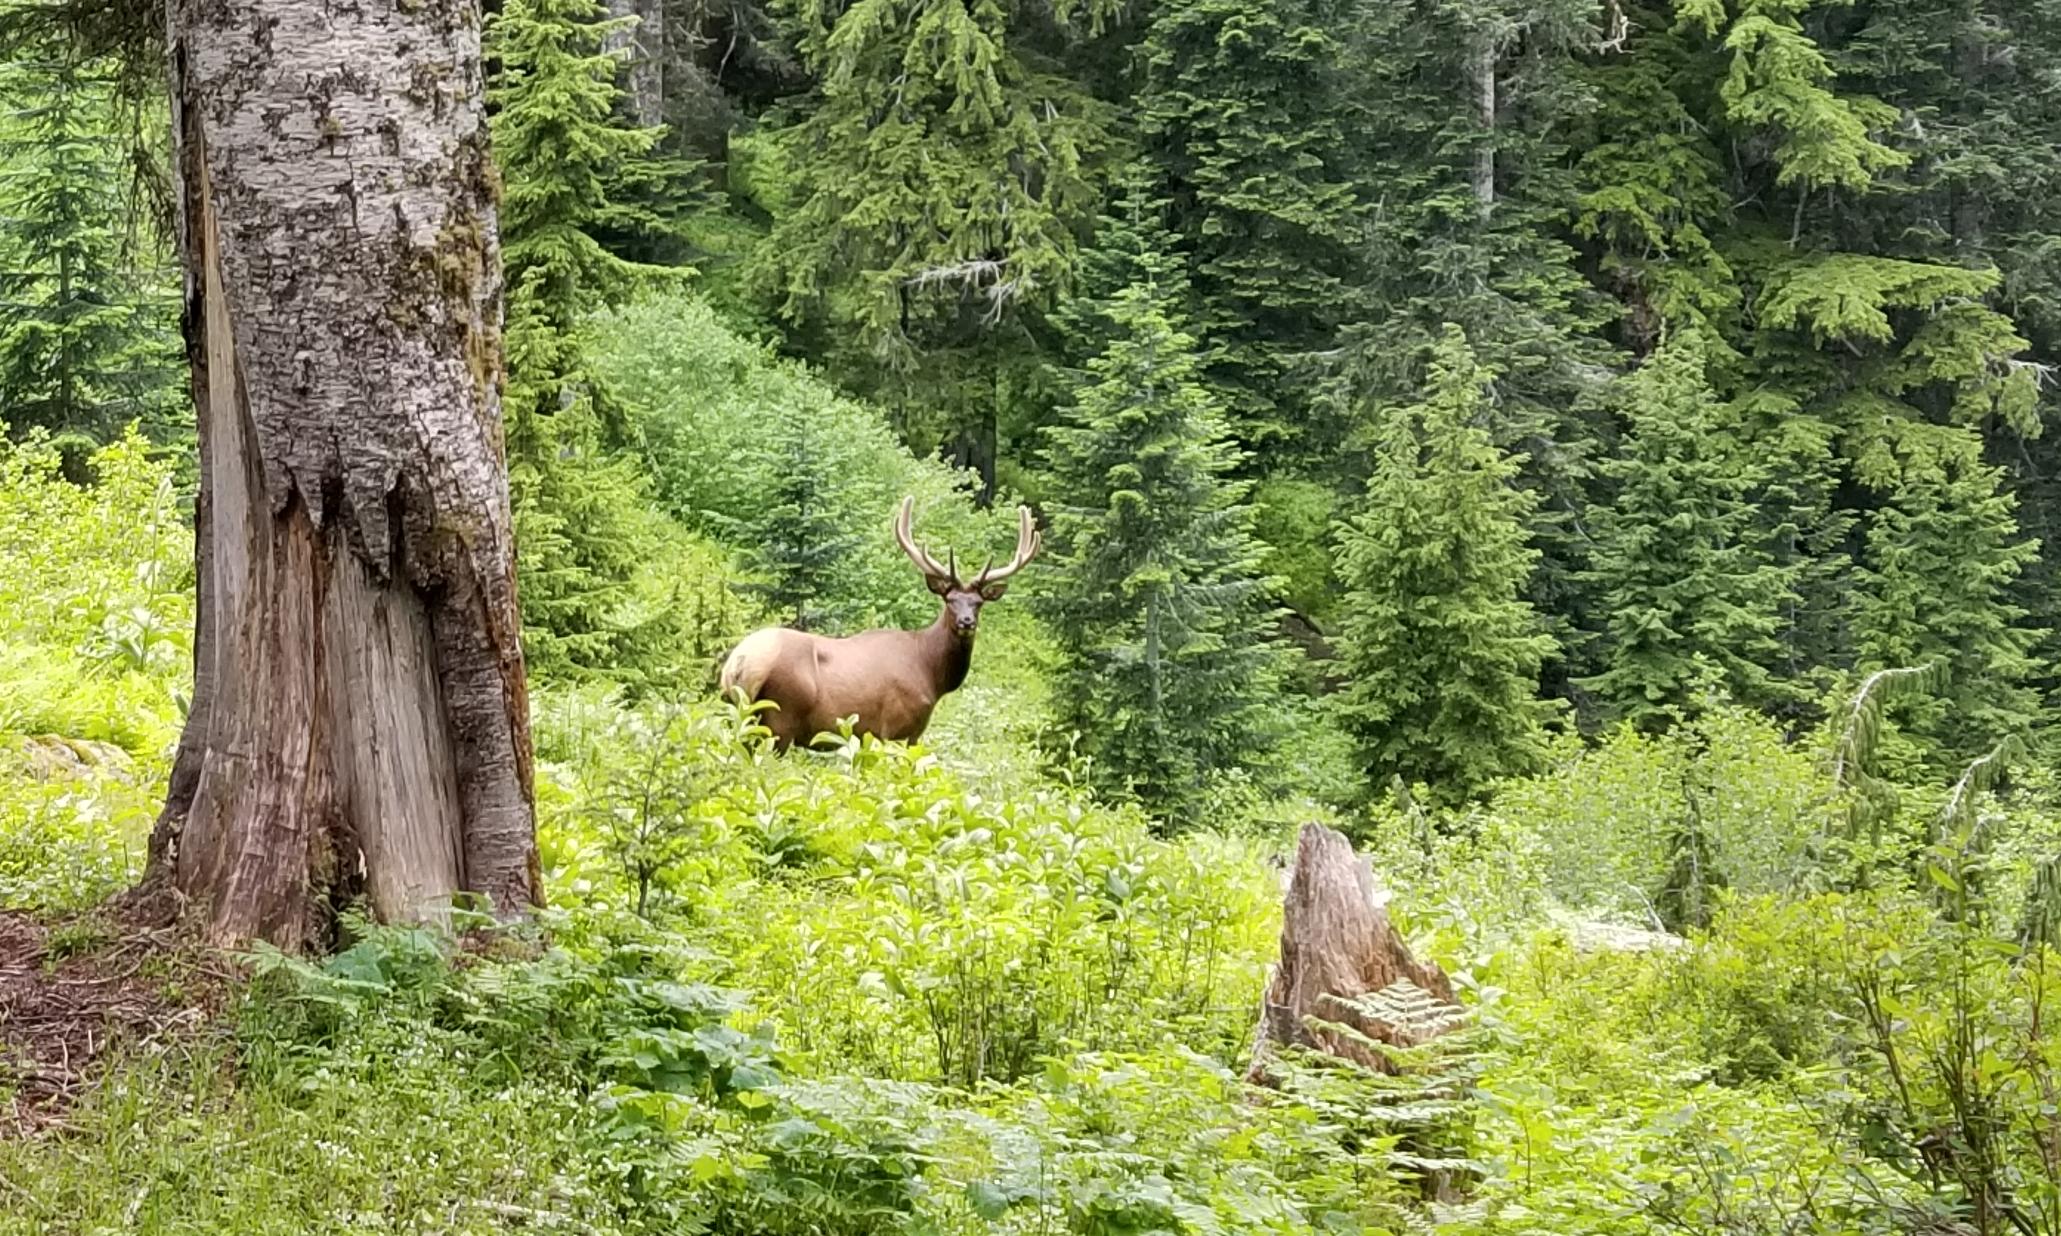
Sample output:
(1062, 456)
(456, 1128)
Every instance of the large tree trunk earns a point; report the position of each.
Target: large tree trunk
(1485, 55)
(643, 47)
(359, 722)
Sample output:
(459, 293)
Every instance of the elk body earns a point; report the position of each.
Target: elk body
(890, 680)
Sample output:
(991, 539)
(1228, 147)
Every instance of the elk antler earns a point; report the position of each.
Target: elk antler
(917, 554)
(1028, 541)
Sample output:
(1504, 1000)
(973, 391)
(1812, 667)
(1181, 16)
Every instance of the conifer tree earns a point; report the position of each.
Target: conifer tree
(1466, 111)
(1244, 114)
(585, 533)
(801, 544)
(1738, 163)
(1443, 653)
(934, 183)
(1983, 187)
(1134, 244)
(1687, 898)
(1153, 591)
(87, 328)
(1687, 592)
(560, 145)
(1936, 577)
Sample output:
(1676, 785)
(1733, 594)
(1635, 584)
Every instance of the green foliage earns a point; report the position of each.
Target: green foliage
(96, 603)
(558, 144)
(590, 546)
(1689, 597)
(1760, 301)
(701, 399)
(901, 244)
(802, 544)
(73, 816)
(1243, 111)
(1154, 594)
(893, 918)
(611, 589)
(1293, 519)
(88, 317)
(96, 614)
(1777, 80)
(866, 995)
(1941, 556)
(1602, 830)
(1443, 652)
(648, 775)
(1468, 121)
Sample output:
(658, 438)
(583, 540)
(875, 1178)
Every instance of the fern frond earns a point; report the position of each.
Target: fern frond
(1407, 1007)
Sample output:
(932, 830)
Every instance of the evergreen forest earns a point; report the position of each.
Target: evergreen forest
(1597, 457)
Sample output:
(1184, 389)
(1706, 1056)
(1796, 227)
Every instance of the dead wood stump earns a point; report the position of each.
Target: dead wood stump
(1336, 942)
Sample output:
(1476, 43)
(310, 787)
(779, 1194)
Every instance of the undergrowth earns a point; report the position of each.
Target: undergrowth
(1714, 982)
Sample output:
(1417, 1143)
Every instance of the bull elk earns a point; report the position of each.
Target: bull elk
(889, 680)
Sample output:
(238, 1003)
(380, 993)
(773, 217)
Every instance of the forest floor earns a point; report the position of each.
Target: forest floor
(76, 990)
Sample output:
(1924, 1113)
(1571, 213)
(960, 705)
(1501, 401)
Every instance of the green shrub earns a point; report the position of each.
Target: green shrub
(96, 620)
(73, 820)
(891, 916)
(96, 596)
(1601, 829)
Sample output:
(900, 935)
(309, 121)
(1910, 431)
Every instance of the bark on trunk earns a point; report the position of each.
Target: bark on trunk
(1336, 942)
(1485, 56)
(643, 47)
(360, 723)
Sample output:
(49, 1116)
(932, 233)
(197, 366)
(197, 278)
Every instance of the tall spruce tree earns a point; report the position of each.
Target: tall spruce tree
(1465, 116)
(1245, 114)
(1153, 591)
(1689, 594)
(88, 325)
(1942, 554)
(560, 146)
(934, 184)
(1443, 653)
(1134, 244)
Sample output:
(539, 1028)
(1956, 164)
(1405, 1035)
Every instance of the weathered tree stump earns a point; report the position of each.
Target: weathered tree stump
(1336, 942)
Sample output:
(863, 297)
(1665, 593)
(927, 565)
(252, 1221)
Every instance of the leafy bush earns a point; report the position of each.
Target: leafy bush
(96, 596)
(700, 1121)
(890, 916)
(73, 818)
(1601, 830)
(96, 614)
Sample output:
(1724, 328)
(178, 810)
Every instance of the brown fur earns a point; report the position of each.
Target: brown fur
(888, 681)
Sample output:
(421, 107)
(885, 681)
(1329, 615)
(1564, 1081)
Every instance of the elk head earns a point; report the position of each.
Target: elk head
(963, 599)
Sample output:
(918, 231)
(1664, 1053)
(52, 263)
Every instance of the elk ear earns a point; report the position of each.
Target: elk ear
(939, 585)
(993, 592)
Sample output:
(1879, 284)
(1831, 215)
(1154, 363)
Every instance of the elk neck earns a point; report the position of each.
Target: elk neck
(950, 655)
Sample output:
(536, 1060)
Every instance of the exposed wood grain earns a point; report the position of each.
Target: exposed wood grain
(360, 722)
(1336, 941)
